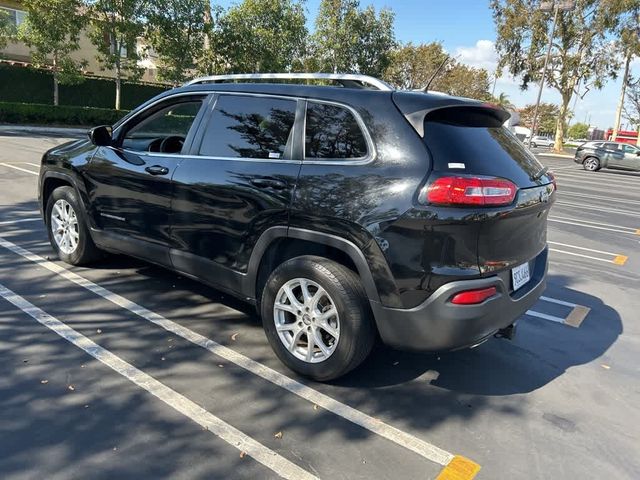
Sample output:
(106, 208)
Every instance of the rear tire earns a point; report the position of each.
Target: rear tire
(67, 228)
(292, 324)
(591, 164)
(533, 145)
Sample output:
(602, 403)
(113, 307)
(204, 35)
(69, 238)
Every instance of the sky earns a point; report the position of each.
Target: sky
(465, 28)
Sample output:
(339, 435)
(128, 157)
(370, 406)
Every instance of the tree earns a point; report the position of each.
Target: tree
(176, 31)
(260, 36)
(503, 101)
(578, 130)
(632, 103)
(7, 30)
(411, 67)
(52, 30)
(115, 28)
(351, 40)
(625, 17)
(547, 117)
(581, 52)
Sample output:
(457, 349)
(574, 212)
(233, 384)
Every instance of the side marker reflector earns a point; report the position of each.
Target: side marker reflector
(459, 468)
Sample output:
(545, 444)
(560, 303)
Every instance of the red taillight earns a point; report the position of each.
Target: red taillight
(472, 297)
(471, 191)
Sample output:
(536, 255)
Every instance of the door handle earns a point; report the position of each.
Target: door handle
(269, 183)
(157, 170)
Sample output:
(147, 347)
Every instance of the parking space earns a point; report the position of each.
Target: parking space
(127, 370)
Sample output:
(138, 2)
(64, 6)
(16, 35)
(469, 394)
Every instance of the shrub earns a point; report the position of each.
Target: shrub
(28, 85)
(38, 114)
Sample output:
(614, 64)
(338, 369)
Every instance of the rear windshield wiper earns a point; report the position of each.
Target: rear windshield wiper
(540, 174)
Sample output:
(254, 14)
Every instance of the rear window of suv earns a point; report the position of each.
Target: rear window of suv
(473, 141)
(332, 132)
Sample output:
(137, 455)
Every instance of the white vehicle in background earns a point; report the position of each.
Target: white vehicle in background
(540, 141)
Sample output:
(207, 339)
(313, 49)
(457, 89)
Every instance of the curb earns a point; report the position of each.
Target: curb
(559, 155)
(43, 130)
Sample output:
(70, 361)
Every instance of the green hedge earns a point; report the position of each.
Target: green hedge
(37, 114)
(28, 85)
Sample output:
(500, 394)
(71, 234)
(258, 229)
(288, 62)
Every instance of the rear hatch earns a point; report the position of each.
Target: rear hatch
(468, 139)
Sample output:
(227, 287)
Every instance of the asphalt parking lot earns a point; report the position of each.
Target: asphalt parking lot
(126, 370)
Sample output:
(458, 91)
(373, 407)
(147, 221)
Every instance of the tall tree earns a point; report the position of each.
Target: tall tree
(503, 100)
(52, 30)
(177, 32)
(581, 52)
(7, 29)
(115, 28)
(547, 117)
(632, 103)
(349, 39)
(578, 130)
(625, 17)
(260, 36)
(411, 67)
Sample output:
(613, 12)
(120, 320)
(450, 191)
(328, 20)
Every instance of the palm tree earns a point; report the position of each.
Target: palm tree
(503, 101)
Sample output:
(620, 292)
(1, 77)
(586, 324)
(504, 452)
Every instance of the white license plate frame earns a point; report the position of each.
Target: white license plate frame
(520, 276)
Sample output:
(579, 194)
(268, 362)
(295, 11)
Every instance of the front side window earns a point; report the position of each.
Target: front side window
(630, 149)
(249, 127)
(164, 131)
(332, 132)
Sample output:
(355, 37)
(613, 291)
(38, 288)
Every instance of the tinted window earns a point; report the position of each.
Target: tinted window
(630, 149)
(473, 142)
(249, 127)
(611, 146)
(332, 132)
(171, 121)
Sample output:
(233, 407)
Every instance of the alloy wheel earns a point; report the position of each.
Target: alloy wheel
(64, 226)
(306, 320)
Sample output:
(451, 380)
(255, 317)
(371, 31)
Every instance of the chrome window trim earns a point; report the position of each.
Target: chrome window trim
(371, 152)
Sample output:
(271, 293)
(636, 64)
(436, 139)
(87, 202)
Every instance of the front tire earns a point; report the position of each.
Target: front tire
(591, 164)
(316, 317)
(67, 228)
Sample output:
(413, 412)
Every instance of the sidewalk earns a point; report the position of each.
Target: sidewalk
(43, 130)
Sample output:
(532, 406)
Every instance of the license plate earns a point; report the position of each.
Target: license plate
(520, 276)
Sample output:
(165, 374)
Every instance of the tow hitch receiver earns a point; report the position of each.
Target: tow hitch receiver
(507, 332)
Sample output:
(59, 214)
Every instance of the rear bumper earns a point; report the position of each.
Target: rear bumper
(438, 325)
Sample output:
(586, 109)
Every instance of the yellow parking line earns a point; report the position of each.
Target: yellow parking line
(620, 259)
(638, 231)
(459, 468)
(577, 315)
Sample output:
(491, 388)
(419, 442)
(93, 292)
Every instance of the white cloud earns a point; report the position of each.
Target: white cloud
(481, 55)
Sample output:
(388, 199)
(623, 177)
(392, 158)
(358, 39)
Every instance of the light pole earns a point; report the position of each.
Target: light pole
(547, 6)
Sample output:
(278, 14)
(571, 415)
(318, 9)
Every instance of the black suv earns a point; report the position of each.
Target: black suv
(341, 212)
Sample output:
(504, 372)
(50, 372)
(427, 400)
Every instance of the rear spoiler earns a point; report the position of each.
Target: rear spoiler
(417, 106)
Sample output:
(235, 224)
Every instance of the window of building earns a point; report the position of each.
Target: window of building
(16, 17)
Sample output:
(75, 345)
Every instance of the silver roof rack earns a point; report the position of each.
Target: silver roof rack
(345, 79)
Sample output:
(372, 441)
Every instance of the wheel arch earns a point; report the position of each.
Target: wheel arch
(278, 244)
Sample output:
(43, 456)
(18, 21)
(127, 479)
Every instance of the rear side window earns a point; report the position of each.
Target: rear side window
(332, 132)
(249, 127)
(473, 141)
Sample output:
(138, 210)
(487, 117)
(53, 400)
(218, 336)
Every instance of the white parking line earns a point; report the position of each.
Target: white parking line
(20, 220)
(18, 168)
(598, 179)
(592, 207)
(393, 434)
(606, 260)
(544, 316)
(596, 227)
(224, 431)
(583, 248)
(557, 302)
(592, 222)
(32, 164)
(599, 197)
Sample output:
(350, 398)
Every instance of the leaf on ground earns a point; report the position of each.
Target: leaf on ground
(221, 365)
(234, 336)
(278, 435)
(243, 454)
(44, 381)
(606, 367)
(315, 407)
(396, 363)
(98, 331)
(71, 387)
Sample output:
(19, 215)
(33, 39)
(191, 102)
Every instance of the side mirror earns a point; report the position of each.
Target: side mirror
(101, 136)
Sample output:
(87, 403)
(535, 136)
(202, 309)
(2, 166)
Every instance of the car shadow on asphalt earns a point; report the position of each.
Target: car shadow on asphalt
(541, 352)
